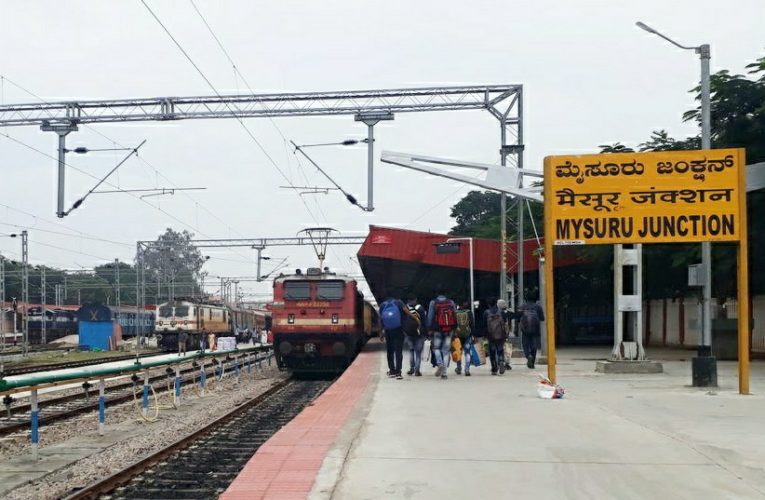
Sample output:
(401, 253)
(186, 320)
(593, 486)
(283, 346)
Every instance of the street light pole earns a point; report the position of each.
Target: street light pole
(705, 365)
(472, 282)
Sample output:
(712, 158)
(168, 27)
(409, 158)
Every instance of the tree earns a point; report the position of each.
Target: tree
(478, 214)
(173, 262)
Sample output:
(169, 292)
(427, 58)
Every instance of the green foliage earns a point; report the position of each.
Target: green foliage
(738, 120)
(172, 260)
(478, 215)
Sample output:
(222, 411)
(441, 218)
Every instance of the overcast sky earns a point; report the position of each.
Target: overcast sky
(589, 75)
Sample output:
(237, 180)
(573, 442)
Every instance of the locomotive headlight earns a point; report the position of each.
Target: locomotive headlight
(291, 319)
(309, 347)
(334, 319)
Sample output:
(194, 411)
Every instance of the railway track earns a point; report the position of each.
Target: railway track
(203, 464)
(55, 409)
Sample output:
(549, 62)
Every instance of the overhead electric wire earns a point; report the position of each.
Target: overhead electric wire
(218, 94)
(233, 111)
(141, 159)
(103, 179)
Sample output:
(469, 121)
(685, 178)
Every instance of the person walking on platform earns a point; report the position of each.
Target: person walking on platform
(464, 332)
(202, 340)
(530, 317)
(442, 321)
(414, 328)
(496, 319)
(392, 314)
(183, 338)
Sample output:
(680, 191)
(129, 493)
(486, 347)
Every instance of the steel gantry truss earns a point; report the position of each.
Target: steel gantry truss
(348, 102)
(504, 102)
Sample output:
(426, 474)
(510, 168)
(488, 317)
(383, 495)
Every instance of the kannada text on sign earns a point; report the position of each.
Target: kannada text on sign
(669, 196)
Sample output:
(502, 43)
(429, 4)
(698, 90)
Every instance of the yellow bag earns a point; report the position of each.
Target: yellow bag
(456, 350)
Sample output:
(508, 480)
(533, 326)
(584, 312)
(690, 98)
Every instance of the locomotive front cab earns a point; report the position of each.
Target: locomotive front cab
(314, 322)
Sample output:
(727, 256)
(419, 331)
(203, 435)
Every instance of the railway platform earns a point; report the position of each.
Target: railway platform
(612, 436)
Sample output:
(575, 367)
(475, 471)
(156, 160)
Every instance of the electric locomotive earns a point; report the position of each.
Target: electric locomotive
(192, 317)
(320, 321)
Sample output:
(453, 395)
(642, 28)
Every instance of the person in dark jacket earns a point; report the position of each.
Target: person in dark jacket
(497, 328)
(530, 317)
(394, 334)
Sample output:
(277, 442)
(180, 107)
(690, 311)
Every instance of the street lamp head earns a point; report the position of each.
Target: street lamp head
(645, 27)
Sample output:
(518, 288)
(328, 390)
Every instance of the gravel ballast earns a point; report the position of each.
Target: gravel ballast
(172, 425)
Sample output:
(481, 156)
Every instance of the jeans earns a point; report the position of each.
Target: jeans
(395, 344)
(466, 343)
(497, 354)
(530, 345)
(441, 346)
(415, 344)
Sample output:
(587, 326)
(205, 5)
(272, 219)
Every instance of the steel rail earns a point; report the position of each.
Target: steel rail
(113, 397)
(121, 477)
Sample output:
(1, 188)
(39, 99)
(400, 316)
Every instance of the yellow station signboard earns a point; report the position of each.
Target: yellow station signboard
(663, 197)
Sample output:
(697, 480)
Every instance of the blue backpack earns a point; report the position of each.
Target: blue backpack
(391, 315)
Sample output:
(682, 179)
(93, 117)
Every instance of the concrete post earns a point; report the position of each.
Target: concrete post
(101, 407)
(35, 424)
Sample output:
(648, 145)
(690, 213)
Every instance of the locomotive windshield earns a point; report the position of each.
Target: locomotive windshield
(182, 311)
(297, 290)
(165, 311)
(330, 290)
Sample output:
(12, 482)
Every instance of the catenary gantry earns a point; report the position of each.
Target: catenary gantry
(258, 105)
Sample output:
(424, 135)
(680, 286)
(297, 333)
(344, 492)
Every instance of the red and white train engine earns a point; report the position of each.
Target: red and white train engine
(320, 321)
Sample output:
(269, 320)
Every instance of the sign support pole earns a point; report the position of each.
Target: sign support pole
(549, 266)
(743, 283)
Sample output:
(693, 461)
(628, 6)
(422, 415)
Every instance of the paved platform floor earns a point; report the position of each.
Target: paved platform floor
(613, 436)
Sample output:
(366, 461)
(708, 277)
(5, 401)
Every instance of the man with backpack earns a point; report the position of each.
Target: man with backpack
(530, 317)
(392, 314)
(464, 332)
(496, 319)
(415, 330)
(442, 321)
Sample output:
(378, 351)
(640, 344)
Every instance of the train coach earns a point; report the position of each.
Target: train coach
(320, 321)
(193, 317)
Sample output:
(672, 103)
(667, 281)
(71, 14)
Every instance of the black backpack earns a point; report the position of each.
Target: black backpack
(530, 321)
(412, 325)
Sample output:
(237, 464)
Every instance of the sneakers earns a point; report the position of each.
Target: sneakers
(458, 370)
(410, 372)
(502, 369)
(391, 374)
(440, 371)
(444, 377)
(529, 364)
(493, 372)
(467, 374)
(417, 373)
(399, 376)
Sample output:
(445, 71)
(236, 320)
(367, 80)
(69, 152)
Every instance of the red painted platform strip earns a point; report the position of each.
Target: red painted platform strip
(285, 467)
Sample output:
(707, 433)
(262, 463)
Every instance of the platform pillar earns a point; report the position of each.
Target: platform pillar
(101, 407)
(35, 424)
(628, 303)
